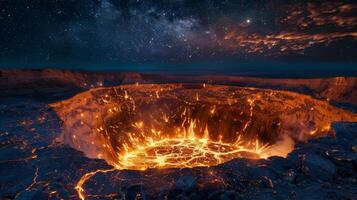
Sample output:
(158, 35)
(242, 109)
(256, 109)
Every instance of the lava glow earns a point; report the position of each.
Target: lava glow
(144, 126)
(187, 150)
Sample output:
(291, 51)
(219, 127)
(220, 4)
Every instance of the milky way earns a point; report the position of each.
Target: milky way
(176, 31)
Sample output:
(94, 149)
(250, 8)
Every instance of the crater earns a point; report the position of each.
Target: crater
(142, 126)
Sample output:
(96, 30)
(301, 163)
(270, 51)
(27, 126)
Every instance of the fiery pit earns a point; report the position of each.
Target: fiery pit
(144, 126)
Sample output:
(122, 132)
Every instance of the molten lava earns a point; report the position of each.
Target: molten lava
(187, 150)
(180, 125)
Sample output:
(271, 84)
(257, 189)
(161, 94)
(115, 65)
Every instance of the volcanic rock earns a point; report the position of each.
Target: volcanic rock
(319, 167)
(279, 118)
(186, 183)
(338, 89)
(34, 165)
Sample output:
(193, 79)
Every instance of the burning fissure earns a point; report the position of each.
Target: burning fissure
(144, 126)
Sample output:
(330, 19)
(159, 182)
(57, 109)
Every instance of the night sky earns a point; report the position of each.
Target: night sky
(178, 34)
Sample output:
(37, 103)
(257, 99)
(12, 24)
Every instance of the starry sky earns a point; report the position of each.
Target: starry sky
(144, 35)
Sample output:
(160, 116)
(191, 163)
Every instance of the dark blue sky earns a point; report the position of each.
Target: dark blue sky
(179, 35)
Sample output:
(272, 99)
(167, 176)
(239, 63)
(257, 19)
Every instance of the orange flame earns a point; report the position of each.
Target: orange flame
(186, 149)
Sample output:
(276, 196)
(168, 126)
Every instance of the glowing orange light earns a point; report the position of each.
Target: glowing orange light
(186, 150)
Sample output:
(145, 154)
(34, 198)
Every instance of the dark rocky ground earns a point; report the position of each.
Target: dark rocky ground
(34, 166)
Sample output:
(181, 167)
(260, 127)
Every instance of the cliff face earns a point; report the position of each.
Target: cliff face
(340, 89)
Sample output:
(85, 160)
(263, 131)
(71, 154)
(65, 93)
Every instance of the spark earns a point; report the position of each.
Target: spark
(189, 150)
(173, 137)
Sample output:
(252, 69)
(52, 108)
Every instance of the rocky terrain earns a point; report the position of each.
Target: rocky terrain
(103, 117)
(34, 164)
(339, 89)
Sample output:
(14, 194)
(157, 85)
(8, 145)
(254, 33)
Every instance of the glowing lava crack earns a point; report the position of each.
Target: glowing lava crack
(144, 126)
(188, 152)
(180, 125)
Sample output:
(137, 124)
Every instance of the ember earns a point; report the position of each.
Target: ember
(229, 139)
(176, 126)
(187, 150)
